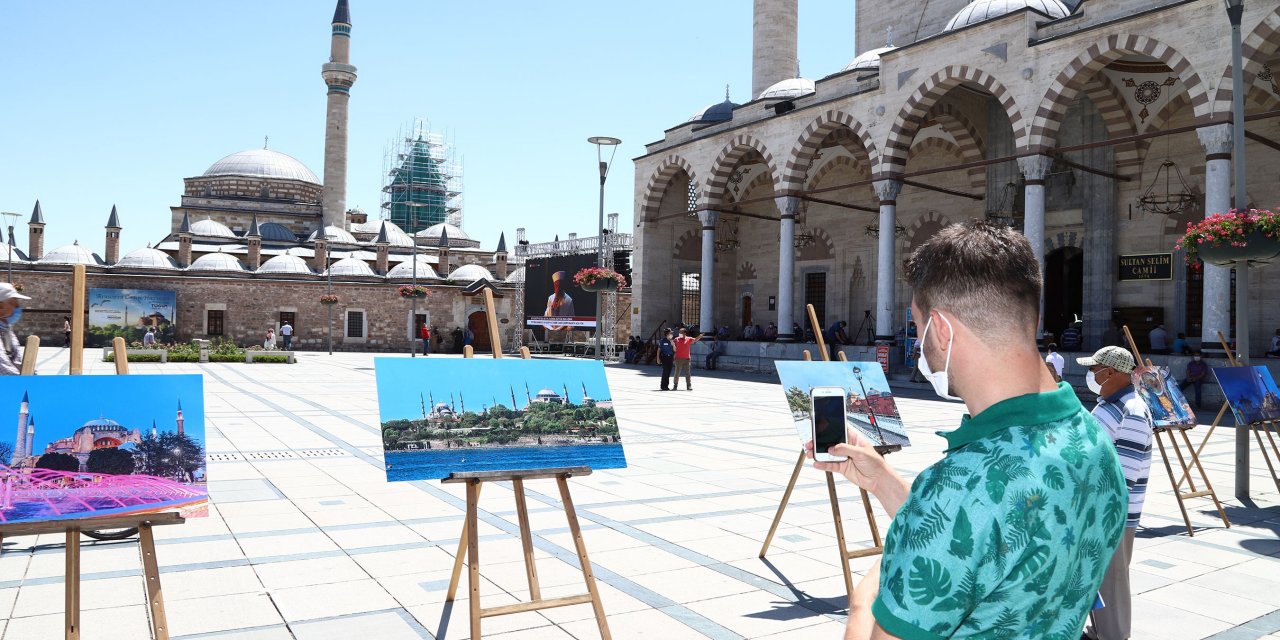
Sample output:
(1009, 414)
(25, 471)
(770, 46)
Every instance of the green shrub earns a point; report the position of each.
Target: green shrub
(280, 359)
(225, 357)
(133, 357)
(183, 357)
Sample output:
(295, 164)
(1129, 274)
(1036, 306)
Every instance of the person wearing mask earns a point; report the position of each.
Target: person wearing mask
(667, 356)
(10, 313)
(1197, 373)
(1127, 421)
(981, 533)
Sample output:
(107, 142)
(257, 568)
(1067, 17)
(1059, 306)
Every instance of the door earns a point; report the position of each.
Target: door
(478, 323)
(1063, 288)
(746, 311)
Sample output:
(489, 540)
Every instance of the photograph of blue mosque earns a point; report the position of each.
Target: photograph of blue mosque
(451, 416)
(103, 445)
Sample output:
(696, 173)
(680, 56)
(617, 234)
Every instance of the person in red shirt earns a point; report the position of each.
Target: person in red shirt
(426, 339)
(683, 346)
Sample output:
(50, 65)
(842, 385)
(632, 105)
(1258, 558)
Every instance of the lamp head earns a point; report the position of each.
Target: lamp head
(604, 141)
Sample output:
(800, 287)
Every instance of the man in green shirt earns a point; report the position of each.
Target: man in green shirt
(1009, 535)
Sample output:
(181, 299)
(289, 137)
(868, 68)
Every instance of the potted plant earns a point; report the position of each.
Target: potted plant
(412, 291)
(599, 279)
(17, 286)
(1226, 238)
(328, 299)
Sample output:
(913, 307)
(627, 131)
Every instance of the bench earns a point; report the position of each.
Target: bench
(249, 354)
(164, 354)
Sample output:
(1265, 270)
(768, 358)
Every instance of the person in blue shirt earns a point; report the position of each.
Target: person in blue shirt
(667, 356)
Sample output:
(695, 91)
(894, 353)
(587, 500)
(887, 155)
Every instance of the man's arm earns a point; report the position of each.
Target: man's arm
(862, 625)
(865, 467)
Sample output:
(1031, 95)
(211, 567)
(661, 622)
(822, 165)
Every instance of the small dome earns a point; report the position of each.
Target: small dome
(217, 262)
(869, 61)
(285, 264)
(516, 276)
(276, 232)
(210, 228)
(147, 258)
(102, 423)
(405, 269)
(262, 163)
(719, 112)
(790, 88)
(335, 235)
(349, 267)
(373, 226)
(71, 254)
(470, 273)
(434, 231)
(983, 10)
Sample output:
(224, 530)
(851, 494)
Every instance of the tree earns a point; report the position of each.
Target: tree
(58, 462)
(6, 452)
(111, 461)
(798, 401)
(169, 456)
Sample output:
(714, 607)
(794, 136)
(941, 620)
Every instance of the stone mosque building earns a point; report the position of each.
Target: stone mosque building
(258, 237)
(1098, 127)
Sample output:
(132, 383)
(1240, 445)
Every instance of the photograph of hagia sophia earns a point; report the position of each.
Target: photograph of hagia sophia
(93, 446)
(451, 416)
(870, 407)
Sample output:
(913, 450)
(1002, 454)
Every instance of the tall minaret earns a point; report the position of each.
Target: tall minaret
(773, 43)
(31, 435)
(180, 420)
(20, 443)
(155, 433)
(338, 75)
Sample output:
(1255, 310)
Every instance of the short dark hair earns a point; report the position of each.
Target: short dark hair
(1053, 346)
(985, 274)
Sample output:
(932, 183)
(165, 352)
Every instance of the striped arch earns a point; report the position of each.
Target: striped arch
(670, 167)
(810, 142)
(714, 191)
(925, 227)
(946, 146)
(1063, 239)
(838, 161)
(824, 247)
(968, 140)
(1111, 105)
(1072, 79)
(761, 179)
(688, 246)
(1263, 41)
(915, 112)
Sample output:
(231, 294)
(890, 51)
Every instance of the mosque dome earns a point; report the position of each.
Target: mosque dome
(405, 269)
(372, 226)
(517, 275)
(276, 232)
(102, 423)
(262, 163)
(470, 273)
(210, 228)
(869, 61)
(719, 112)
(336, 235)
(349, 267)
(217, 262)
(435, 230)
(285, 264)
(147, 258)
(983, 10)
(71, 254)
(786, 89)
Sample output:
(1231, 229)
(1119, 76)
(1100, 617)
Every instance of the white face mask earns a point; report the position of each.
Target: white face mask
(939, 379)
(1092, 383)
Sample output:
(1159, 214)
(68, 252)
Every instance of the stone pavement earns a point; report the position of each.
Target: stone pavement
(307, 540)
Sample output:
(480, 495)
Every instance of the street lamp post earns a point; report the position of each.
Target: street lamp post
(871, 412)
(1235, 12)
(328, 270)
(12, 218)
(602, 141)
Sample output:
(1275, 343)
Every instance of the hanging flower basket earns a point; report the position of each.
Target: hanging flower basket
(328, 300)
(410, 291)
(596, 279)
(1226, 238)
(17, 286)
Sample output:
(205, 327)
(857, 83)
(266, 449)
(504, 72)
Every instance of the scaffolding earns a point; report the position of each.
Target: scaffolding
(422, 180)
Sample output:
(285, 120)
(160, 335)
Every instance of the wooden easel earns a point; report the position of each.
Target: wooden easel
(1180, 430)
(72, 529)
(845, 553)
(1221, 411)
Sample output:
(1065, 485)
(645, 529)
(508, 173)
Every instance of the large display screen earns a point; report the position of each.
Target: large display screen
(552, 300)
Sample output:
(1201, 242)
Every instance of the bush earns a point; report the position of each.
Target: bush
(111, 357)
(225, 357)
(278, 359)
(183, 357)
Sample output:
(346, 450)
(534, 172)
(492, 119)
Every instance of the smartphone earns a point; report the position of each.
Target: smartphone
(827, 415)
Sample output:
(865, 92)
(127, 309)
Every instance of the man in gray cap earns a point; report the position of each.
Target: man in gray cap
(10, 311)
(1128, 421)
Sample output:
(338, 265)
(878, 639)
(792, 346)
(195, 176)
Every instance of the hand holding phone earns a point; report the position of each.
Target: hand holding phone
(827, 416)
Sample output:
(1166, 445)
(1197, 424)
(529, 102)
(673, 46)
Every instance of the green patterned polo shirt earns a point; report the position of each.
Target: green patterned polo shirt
(1009, 535)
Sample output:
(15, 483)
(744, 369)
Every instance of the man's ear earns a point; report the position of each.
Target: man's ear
(941, 330)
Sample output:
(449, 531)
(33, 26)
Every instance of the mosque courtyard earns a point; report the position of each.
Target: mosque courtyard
(307, 540)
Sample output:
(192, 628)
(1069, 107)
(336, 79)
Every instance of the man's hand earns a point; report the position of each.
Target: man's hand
(865, 467)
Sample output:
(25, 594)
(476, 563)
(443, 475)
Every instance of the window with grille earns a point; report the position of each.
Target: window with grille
(693, 196)
(690, 298)
(355, 324)
(287, 317)
(215, 322)
(815, 293)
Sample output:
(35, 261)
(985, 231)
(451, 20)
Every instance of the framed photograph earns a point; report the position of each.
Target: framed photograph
(869, 405)
(1251, 392)
(1157, 387)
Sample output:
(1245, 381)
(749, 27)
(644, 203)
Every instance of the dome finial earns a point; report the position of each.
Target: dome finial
(726, 93)
(265, 139)
(888, 36)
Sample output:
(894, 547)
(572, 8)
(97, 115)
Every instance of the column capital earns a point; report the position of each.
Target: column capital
(1217, 140)
(1035, 168)
(887, 190)
(708, 218)
(789, 206)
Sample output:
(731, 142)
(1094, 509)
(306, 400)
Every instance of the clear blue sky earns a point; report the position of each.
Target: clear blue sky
(480, 382)
(116, 102)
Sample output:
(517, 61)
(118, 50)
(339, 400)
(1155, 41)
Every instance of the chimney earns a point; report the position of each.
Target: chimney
(254, 239)
(384, 250)
(113, 237)
(321, 262)
(773, 43)
(500, 258)
(442, 254)
(35, 234)
(184, 241)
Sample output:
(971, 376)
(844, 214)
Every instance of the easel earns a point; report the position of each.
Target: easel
(469, 540)
(1177, 450)
(846, 554)
(73, 528)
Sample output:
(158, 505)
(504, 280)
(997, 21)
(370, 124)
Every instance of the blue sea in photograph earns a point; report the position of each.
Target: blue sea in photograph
(438, 463)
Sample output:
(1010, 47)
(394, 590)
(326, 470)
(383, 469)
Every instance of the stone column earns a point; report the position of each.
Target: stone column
(1034, 169)
(707, 287)
(1217, 199)
(789, 206)
(886, 263)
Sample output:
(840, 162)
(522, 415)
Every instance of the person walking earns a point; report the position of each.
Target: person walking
(1197, 373)
(836, 336)
(286, 336)
(10, 312)
(66, 329)
(666, 355)
(149, 340)
(1056, 361)
(425, 334)
(684, 345)
(1127, 421)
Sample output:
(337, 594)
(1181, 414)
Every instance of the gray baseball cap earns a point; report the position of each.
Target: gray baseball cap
(1113, 357)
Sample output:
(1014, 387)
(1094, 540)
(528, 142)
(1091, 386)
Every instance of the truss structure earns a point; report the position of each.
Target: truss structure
(422, 181)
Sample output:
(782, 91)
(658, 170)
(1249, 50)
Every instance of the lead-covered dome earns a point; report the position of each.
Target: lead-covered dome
(983, 10)
(405, 269)
(147, 258)
(470, 273)
(336, 235)
(286, 264)
(869, 61)
(719, 112)
(71, 254)
(217, 262)
(262, 163)
(787, 89)
(210, 228)
(434, 231)
(516, 276)
(349, 267)
(276, 232)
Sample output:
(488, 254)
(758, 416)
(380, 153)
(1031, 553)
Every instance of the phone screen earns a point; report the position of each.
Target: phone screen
(828, 422)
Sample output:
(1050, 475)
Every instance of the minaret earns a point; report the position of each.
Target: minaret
(20, 443)
(528, 397)
(514, 406)
(254, 241)
(155, 433)
(35, 234)
(500, 257)
(31, 436)
(773, 43)
(113, 237)
(180, 419)
(566, 394)
(338, 75)
(423, 402)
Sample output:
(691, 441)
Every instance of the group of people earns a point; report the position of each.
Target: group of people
(286, 337)
(459, 339)
(752, 332)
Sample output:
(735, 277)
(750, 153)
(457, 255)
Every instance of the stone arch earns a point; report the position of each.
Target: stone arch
(1072, 79)
(758, 181)
(747, 271)
(914, 113)
(688, 246)
(1111, 105)
(968, 141)
(924, 228)
(823, 248)
(670, 167)
(807, 146)
(838, 161)
(1064, 239)
(946, 146)
(733, 152)
(1262, 41)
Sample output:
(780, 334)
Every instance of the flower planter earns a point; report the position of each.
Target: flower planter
(1258, 248)
(413, 296)
(328, 303)
(603, 284)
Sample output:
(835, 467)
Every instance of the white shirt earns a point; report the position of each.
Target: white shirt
(1056, 360)
(1159, 339)
(286, 330)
